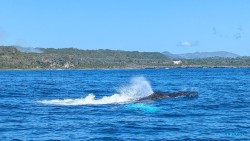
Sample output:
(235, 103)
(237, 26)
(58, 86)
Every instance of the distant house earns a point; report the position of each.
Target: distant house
(177, 62)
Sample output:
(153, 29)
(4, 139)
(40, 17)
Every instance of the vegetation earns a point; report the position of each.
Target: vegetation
(71, 58)
(217, 62)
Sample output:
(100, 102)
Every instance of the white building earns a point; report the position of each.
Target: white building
(177, 62)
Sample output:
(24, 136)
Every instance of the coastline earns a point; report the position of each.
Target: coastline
(181, 67)
(75, 59)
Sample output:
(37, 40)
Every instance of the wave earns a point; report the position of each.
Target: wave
(137, 88)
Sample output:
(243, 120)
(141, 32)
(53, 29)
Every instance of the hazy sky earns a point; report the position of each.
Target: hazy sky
(178, 26)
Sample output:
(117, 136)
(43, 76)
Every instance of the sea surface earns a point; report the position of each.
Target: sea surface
(62, 105)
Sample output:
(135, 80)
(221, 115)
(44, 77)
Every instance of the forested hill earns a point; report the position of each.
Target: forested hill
(70, 58)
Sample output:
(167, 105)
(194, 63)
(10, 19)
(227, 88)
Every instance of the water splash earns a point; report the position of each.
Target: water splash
(137, 88)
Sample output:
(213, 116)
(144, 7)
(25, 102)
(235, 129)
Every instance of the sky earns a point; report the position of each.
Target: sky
(177, 26)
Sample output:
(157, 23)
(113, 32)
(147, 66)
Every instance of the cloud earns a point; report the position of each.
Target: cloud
(2, 35)
(187, 43)
(23, 46)
(21, 42)
(214, 30)
(29, 49)
(238, 35)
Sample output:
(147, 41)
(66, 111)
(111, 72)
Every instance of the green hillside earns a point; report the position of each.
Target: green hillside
(71, 58)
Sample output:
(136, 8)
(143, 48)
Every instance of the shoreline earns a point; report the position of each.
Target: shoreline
(59, 69)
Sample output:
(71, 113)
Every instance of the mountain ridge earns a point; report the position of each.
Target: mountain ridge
(202, 55)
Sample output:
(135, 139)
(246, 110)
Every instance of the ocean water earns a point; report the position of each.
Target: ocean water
(62, 105)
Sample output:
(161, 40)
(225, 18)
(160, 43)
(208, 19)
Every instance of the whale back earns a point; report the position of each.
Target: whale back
(164, 95)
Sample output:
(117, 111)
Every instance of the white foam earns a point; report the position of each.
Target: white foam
(138, 87)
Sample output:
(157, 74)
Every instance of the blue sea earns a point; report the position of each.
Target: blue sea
(62, 105)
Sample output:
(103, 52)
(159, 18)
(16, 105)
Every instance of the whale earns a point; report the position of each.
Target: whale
(165, 95)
